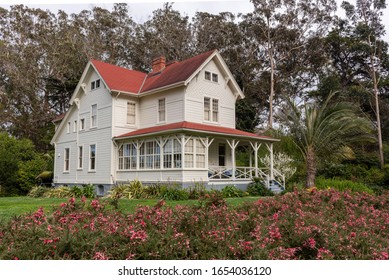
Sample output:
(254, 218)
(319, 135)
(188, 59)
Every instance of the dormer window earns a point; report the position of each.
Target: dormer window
(95, 84)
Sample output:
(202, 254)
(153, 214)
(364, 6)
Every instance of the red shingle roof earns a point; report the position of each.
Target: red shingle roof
(119, 78)
(193, 126)
(122, 79)
(175, 73)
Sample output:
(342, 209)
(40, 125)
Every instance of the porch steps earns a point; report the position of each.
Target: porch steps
(275, 186)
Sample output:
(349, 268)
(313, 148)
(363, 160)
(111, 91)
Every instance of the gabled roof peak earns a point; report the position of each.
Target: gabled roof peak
(131, 81)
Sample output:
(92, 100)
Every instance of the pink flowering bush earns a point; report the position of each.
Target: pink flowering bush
(299, 225)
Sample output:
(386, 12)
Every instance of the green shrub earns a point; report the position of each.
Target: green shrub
(120, 191)
(197, 191)
(38, 191)
(232, 191)
(342, 185)
(60, 192)
(76, 191)
(88, 191)
(173, 192)
(258, 188)
(136, 190)
(152, 191)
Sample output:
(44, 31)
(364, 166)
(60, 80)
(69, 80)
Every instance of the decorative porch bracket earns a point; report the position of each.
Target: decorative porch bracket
(233, 144)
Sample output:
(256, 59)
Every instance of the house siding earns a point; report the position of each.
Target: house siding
(174, 107)
(199, 88)
(100, 136)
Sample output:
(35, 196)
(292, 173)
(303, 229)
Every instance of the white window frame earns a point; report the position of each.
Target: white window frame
(93, 118)
(215, 109)
(127, 160)
(207, 109)
(98, 83)
(93, 85)
(66, 160)
(131, 113)
(200, 155)
(75, 126)
(82, 124)
(172, 154)
(80, 157)
(161, 110)
(210, 114)
(207, 75)
(68, 128)
(90, 158)
(215, 78)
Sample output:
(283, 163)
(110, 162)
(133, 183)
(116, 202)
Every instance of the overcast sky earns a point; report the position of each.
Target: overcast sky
(142, 10)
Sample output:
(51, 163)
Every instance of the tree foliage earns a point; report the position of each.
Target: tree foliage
(322, 130)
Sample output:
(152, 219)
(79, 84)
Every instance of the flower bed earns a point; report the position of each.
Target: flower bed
(299, 225)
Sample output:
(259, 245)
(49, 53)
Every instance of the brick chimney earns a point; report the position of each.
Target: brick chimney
(159, 64)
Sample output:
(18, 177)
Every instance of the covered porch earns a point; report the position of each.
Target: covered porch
(188, 156)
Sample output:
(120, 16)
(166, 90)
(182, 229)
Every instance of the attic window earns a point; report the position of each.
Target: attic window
(209, 76)
(95, 84)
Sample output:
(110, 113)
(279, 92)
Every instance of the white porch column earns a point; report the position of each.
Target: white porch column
(137, 146)
(182, 150)
(207, 143)
(256, 147)
(270, 148)
(233, 146)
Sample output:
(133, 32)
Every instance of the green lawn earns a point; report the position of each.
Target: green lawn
(13, 206)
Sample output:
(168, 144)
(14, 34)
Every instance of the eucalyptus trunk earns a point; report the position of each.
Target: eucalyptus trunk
(311, 167)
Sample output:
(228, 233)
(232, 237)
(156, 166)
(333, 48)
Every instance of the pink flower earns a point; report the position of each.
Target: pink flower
(311, 243)
(275, 233)
(95, 204)
(100, 256)
(352, 234)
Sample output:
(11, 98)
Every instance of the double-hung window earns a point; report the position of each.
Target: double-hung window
(82, 124)
(66, 160)
(92, 157)
(211, 109)
(162, 110)
(94, 115)
(131, 113)
(215, 110)
(80, 151)
(75, 126)
(207, 108)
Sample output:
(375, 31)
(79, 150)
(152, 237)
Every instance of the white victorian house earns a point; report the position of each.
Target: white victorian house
(175, 124)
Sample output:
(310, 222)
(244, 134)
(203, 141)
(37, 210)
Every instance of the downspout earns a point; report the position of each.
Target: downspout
(115, 161)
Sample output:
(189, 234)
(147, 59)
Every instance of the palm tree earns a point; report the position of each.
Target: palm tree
(322, 130)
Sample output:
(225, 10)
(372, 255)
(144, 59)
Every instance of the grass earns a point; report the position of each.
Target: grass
(14, 206)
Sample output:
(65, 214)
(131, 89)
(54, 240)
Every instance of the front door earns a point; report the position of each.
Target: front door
(222, 155)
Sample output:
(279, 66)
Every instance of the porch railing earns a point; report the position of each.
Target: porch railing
(244, 173)
(241, 172)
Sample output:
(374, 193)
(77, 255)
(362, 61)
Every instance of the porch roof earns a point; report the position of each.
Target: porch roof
(194, 127)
